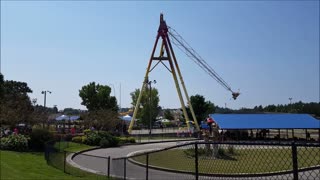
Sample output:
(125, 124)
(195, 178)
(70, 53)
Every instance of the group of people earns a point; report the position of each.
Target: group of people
(7, 132)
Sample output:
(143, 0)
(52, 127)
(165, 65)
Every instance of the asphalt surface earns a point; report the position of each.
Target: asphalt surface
(88, 161)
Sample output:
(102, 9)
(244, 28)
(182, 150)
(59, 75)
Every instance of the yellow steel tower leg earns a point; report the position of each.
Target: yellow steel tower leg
(176, 82)
(143, 87)
(183, 86)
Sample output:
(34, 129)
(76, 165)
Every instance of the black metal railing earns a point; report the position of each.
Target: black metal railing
(197, 160)
(200, 160)
(58, 155)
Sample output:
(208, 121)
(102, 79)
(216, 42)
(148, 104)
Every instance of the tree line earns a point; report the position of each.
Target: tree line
(312, 108)
(102, 109)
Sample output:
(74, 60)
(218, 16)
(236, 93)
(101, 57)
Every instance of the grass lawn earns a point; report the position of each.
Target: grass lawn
(32, 165)
(71, 146)
(242, 161)
(26, 165)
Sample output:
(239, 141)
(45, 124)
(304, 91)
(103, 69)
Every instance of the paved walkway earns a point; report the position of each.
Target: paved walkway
(88, 160)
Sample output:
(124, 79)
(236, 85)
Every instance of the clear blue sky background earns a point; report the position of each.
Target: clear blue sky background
(268, 50)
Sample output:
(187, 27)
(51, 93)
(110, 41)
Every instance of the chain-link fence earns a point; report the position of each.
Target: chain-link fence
(196, 160)
(200, 160)
(59, 155)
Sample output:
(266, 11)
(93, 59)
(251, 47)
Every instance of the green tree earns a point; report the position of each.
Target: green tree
(201, 107)
(144, 107)
(103, 119)
(102, 108)
(168, 114)
(97, 97)
(1, 86)
(71, 111)
(55, 109)
(15, 103)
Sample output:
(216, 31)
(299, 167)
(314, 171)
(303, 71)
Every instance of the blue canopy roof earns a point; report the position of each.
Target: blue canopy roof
(266, 121)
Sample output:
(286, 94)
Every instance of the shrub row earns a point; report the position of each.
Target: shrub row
(18, 142)
(97, 138)
(102, 139)
(124, 140)
(15, 142)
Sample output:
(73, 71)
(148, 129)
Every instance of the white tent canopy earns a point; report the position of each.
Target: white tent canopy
(65, 117)
(126, 118)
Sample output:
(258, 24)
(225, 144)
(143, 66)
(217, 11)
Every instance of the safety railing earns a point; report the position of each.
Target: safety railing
(200, 160)
(196, 160)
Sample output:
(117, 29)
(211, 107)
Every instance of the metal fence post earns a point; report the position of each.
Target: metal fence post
(147, 166)
(196, 160)
(108, 166)
(294, 161)
(48, 155)
(124, 169)
(64, 161)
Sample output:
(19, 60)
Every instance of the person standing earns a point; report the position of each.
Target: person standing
(210, 121)
(16, 131)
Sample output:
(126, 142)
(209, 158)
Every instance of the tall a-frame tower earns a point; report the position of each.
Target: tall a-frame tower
(166, 54)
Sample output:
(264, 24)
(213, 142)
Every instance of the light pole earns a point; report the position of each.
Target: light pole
(44, 104)
(45, 96)
(34, 101)
(150, 103)
(290, 99)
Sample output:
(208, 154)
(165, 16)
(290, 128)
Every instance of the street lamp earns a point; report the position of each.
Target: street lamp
(150, 102)
(290, 98)
(45, 96)
(44, 104)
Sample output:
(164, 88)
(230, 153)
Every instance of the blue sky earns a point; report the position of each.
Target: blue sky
(268, 50)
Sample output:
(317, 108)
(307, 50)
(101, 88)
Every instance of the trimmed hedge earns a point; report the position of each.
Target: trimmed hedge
(124, 140)
(77, 139)
(101, 138)
(38, 138)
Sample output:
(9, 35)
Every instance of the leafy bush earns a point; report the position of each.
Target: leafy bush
(168, 124)
(15, 142)
(221, 152)
(94, 138)
(112, 140)
(77, 139)
(132, 140)
(124, 140)
(84, 139)
(38, 138)
(104, 143)
(86, 131)
(231, 150)
(67, 137)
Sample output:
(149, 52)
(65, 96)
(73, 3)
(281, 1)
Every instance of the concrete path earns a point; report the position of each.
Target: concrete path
(89, 161)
